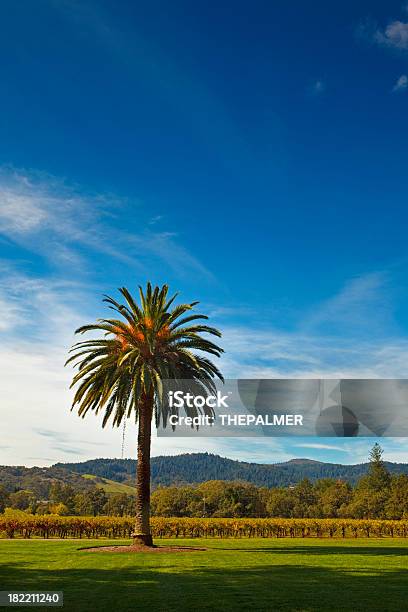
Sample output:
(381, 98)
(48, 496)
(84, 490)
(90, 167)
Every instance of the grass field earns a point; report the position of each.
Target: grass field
(232, 574)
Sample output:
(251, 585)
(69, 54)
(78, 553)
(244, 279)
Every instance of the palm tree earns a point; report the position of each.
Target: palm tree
(122, 372)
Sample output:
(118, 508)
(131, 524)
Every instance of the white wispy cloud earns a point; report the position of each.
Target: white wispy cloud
(39, 317)
(321, 446)
(39, 308)
(32, 201)
(11, 312)
(259, 450)
(66, 224)
(267, 353)
(352, 334)
(362, 305)
(57, 220)
(20, 214)
(35, 395)
(394, 35)
(401, 84)
(357, 449)
(155, 219)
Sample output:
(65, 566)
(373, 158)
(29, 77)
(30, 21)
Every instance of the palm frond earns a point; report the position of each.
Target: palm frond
(148, 344)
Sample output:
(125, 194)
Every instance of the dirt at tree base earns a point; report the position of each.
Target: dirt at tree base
(143, 549)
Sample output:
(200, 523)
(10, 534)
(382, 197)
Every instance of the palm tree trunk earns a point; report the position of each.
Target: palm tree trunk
(142, 535)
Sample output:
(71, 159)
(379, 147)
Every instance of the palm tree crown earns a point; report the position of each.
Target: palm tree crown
(132, 357)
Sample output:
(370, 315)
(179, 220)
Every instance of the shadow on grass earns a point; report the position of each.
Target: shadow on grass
(184, 588)
(381, 551)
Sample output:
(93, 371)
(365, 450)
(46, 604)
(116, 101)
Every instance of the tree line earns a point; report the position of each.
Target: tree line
(65, 500)
(377, 495)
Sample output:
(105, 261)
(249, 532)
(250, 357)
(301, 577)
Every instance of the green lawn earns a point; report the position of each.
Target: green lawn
(244, 574)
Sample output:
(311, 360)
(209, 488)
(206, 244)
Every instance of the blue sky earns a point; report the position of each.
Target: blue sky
(252, 158)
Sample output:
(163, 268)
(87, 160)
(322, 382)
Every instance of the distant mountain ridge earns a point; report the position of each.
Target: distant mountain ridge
(199, 467)
(178, 469)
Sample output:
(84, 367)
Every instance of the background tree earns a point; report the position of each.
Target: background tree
(396, 506)
(97, 500)
(21, 500)
(64, 494)
(4, 498)
(122, 372)
(176, 501)
(91, 502)
(305, 499)
(241, 499)
(280, 503)
(372, 491)
(82, 505)
(379, 478)
(120, 504)
(59, 508)
(333, 498)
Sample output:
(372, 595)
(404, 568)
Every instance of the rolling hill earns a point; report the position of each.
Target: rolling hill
(118, 475)
(110, 486)
(199, 467)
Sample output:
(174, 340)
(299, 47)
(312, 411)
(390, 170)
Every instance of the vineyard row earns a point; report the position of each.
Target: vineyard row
(49, 526)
